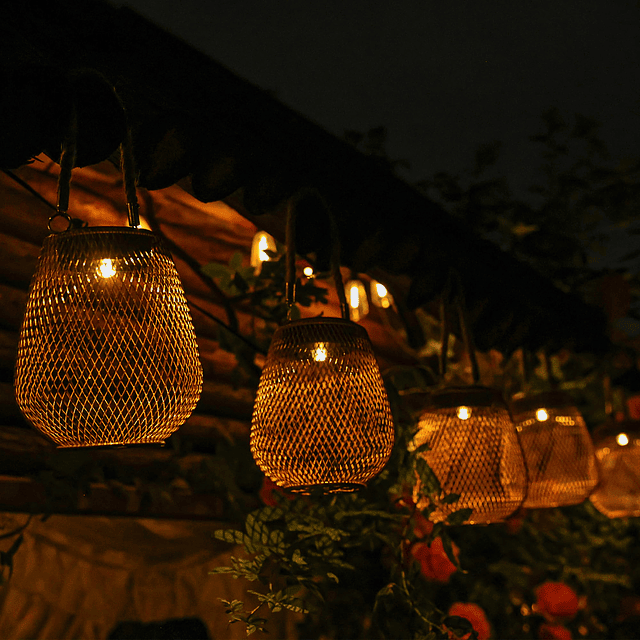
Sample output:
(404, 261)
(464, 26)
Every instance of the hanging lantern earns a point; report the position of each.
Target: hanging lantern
(321, 418)
(473, 449)
(107, 352)
(380, 295)
(617, 446)
(557, 449)
(357, 298)
(262, 242)
(474, 452)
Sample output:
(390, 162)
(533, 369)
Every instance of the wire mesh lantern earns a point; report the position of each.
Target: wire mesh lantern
(617, 448)
(107, 353)
(557, 449)
(474, 452)
(472, 446)
(321, 419)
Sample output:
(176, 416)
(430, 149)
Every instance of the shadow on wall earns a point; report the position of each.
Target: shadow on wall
(173, 629)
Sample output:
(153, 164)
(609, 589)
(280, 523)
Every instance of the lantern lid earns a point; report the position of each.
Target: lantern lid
(611, 429)
(473, 396)
(521, 403)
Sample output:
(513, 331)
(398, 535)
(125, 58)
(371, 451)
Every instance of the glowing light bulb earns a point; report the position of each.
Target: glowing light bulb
(354, 297)
(262, 242)
(263, 245)
(357, 297)
(622, 439)
(308, 272)
(464, 413)
(380, 295)
(105, 269)
(320, 353)
(542, 415)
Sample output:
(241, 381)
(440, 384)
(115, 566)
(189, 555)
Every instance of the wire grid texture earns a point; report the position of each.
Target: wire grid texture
(618, 494)
(478, 458)
(321, 417)
(107, 352)
(559, 456)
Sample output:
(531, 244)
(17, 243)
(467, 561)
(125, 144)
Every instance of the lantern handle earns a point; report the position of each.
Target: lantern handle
(128, 167)
(67, 163)
(290, 247)
(465, 327)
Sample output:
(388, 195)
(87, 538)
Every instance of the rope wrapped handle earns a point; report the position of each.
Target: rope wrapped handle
(67, 163)
(290, 246)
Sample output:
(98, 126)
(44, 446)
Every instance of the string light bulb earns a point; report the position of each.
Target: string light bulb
(380, 295)
(262, 243)
(357, 299)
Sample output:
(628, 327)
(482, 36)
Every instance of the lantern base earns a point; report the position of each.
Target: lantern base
(326, 487)
(120, 443)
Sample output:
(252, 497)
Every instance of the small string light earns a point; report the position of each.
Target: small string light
(262, 242)
(308, 272)
(380, 295)
(357, 298)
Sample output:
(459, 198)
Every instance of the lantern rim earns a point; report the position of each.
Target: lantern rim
(320, 321)
(523, 403)
(100, 230)
(473, 396)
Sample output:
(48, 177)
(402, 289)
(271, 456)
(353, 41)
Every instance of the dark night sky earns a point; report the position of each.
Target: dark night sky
(443, 77)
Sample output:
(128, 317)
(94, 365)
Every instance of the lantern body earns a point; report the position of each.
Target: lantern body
(107, 352)
(557, 450)
(321, 417)
(474, 452)
(617, 446)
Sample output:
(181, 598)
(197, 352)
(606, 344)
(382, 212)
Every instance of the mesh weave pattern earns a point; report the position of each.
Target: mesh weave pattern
(477, 457)
(557, 450)
(107, 352)
(321, 416)
(618, 494)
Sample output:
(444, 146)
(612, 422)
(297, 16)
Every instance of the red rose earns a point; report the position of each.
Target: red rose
(556, 601)
(434, 562)
(475, 615)
(421, 526)
(554, 632)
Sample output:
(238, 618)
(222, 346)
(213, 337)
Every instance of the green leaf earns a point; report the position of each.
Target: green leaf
(334, 577)
(229, 535)
(451, 498)
(236, 261)
(428, 480)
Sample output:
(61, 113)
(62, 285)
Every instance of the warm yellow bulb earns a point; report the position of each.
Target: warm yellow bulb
(381, 290)
(622, 439)
(354, 297)
(263, 245)
(464, 413)
(308, 271)
(542, 415)
(320, 353)
(105, 269)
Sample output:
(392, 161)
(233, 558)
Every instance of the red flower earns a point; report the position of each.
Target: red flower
(554, 632)
(475, 615)
(421, 526)
(556, 601)
(267, 490)
(434, 563)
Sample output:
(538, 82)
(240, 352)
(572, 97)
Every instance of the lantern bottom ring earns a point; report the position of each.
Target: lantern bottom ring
(142, 442)
(325, 487)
